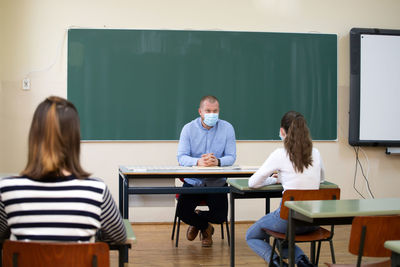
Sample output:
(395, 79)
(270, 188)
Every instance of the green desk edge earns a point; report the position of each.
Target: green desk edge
(129, 231)
(345, 207)
(243, 184)
(393, 245)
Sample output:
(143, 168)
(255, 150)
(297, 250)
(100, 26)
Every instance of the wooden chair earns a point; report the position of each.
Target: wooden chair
(319, 235)
(41, 254)
(367, 238)
(177, 223)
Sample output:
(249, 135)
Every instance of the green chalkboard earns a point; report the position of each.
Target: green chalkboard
(146, 84)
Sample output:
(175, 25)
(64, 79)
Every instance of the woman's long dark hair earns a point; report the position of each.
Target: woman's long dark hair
(54, 141)
(298, 143)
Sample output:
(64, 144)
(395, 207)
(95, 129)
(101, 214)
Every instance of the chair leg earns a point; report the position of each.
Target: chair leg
(222, 230)
(361, 248)
(318, 251)
(272, 252)
(312, 252)
(227, 232)
(280, 253)
(173, 227)
(332, 251)
(177, 232)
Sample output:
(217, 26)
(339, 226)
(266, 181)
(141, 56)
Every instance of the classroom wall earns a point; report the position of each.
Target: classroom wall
(33, 39)
(2, 22)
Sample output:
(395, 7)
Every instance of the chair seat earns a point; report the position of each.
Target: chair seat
(316, 237)
(386, 263)
(319, 234)
(39, 254)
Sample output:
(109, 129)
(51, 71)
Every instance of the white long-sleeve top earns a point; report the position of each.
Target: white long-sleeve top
(279, 162)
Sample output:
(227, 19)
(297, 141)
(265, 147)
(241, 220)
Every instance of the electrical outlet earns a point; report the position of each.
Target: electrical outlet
(26, 84)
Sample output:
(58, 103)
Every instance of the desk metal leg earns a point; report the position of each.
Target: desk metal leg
(120, 193)
(232, 204)
(126, 200)
(395, 259)
(267, 210)
(123, 196)
(291, 238)
(123, 250)
(267, 205)
(123, 256)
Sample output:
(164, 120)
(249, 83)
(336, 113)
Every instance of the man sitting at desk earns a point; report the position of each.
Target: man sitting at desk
(206, 141)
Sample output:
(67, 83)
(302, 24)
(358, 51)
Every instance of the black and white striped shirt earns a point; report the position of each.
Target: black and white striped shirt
(63, 209)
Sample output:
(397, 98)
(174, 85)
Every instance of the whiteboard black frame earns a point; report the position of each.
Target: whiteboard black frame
(355, 67)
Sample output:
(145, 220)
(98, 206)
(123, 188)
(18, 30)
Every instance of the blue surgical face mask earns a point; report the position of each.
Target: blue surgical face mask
(210, 119)
(281, 135)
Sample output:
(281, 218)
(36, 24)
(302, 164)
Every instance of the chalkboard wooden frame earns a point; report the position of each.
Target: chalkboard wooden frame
(146, 84)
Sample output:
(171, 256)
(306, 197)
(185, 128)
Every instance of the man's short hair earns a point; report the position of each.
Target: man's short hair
(209, 98)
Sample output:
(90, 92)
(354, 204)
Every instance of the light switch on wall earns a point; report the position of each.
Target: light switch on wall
(26, 84)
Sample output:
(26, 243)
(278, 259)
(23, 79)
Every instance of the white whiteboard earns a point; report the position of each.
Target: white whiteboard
(380, 87)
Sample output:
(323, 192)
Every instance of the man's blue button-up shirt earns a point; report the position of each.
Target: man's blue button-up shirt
(196, 140)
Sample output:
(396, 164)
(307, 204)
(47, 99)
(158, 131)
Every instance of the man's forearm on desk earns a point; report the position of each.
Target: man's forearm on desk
(187, 161)
(227, 160)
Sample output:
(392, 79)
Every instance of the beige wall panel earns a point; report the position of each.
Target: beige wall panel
(33, 43)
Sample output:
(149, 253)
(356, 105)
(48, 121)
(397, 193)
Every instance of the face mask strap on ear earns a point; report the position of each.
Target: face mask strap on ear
(280, 135)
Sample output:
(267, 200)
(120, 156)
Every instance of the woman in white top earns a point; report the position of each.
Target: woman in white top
(298, 166)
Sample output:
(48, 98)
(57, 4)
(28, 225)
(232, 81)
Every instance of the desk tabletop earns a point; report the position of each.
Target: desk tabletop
(393, 245)
(345, 207)
(180, 170)
(243, 184)
(131, 238)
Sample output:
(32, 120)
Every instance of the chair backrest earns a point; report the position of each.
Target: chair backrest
(35, 254)
(378, 229)
(316, 194)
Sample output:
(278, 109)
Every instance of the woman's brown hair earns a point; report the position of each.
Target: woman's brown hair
(298, 143)
(54, 141)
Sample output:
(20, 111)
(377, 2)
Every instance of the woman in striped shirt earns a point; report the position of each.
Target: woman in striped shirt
(54, 199)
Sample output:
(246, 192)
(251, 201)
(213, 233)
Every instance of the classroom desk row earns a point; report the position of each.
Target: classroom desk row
(123, 249)
(127, 174)
(394, 246)
(238, 188)
(337, 212)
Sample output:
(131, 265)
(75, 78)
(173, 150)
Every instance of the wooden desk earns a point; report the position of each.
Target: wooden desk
(240, 189)
(123, 249)
(172, 172)
(131, 238)
(327, 212)
(394, 246)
